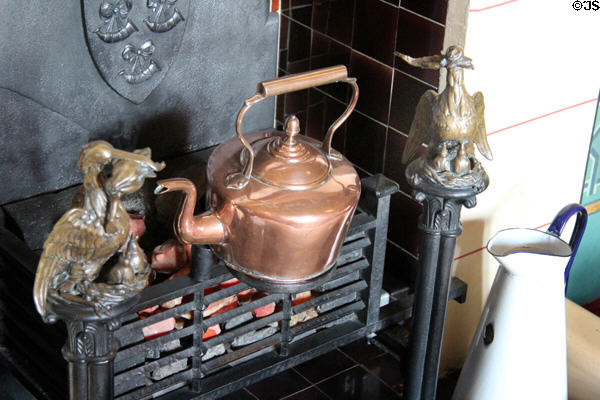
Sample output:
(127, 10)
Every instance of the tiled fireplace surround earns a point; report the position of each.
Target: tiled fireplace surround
(363, 35)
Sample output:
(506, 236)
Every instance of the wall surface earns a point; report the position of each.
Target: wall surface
(363, 35)
(535, 65)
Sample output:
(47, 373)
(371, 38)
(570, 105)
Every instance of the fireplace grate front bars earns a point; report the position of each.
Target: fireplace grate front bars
(182, 364)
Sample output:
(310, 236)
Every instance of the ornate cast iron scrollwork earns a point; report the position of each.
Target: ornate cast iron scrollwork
(89, 235)
(451, 124)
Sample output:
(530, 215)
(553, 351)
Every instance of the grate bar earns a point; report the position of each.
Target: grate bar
(221, 294)
(329, 296)
(122, 379)
(166, 383)
(329, 317)
(133, 332)
(142, 347)
(217, 319)
(229, 336)
(361, 223)
(227, 358)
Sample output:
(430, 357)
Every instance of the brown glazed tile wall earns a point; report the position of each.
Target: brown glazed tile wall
(363, 35)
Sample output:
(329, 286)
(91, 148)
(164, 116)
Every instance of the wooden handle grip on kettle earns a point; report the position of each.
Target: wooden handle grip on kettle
(287, 84)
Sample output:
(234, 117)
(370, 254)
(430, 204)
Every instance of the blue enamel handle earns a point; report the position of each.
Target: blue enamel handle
(558, 224)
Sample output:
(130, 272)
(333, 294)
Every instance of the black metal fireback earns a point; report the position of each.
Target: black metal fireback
(114, 353)
(169, 75)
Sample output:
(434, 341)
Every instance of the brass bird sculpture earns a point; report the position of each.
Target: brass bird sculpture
(86, 237)
(449, 123)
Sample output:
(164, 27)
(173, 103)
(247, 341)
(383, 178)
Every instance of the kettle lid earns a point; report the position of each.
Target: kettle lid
(288, 162)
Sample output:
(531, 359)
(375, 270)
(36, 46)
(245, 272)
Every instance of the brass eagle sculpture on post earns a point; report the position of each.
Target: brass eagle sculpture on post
(450, 124)
(87, 236)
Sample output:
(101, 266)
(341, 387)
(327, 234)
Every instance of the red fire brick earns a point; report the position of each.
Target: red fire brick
(146, 312)
(211, 289)
(211, 332)
(221, 306)
(229, 283)
(246, 295)
(159, 329)
(263, 311)
(172, 303)
(302, 297)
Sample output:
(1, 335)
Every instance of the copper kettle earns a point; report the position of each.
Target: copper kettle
(280, 203)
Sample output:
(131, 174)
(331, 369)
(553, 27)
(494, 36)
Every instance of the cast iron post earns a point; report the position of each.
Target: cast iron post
(91, 348)
(439, 226)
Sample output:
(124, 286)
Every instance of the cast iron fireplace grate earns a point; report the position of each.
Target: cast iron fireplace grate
(180, 364)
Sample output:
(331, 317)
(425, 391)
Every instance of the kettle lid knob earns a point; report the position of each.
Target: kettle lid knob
(291, 128)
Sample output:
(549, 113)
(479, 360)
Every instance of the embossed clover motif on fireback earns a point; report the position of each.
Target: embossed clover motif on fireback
(140, 59)
(165, 17)
(116, 25)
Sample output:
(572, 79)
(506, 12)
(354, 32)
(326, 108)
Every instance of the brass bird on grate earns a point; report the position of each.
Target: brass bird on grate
(86, 237)
(449, 123)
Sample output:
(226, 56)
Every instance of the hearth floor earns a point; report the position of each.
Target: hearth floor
(358, 371)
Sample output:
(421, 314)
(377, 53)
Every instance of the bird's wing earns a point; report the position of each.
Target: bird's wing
(480, 134)
(71, 241)
(420, 127)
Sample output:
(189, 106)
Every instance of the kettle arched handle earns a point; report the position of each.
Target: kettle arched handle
(558, 224)
(288, 84)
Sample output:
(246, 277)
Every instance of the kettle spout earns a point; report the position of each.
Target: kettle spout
(189, 228)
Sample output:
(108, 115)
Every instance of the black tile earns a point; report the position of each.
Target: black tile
(301, 12)
(404, 218)
(324, 366)
(279, 109)
(326, 53)
(394, 168)
(314, 122)
(434, 9)
(312, 393)
(418, 37)
(333, 110)
(375, 83)
(298, 66)
(239, 395)
(315, 96)
(365, 143)
(361, 351)
(295, 102)
(278, 386)
(300, 3)
(362, 173)
(283, 62)
(334, 18)
(284, 29)
(389, 370)
(299, 38)
(375, 29)
(405, 96)
(399, 269)
(356, 384)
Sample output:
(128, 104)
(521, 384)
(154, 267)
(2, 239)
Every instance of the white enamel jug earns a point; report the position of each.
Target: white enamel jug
(519, 347)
